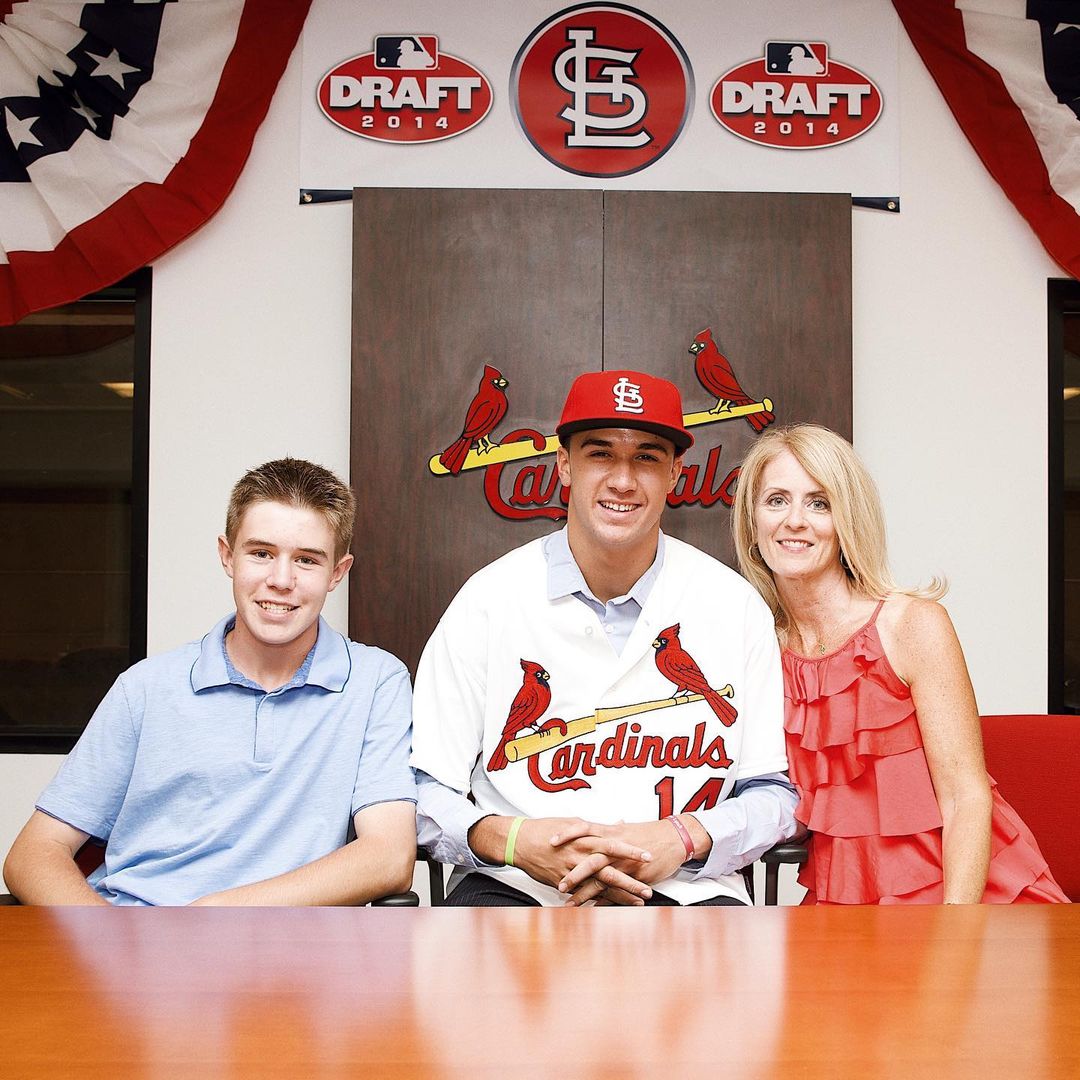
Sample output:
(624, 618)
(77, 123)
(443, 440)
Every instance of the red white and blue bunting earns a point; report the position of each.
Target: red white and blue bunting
(1010, 72)
(125, 127)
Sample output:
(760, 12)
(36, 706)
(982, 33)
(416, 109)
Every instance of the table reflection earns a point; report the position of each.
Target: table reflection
(778, 992)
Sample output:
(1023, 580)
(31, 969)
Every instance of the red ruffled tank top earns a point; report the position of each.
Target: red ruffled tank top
(856, 756)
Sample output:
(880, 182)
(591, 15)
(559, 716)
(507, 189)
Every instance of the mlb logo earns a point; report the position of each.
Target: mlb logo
(796, 58)
(406, 52)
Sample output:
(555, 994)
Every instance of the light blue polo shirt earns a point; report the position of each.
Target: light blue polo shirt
(199, 780)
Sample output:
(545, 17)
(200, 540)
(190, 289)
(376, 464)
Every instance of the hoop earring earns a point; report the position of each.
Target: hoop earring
(844, 563)
(750, 553)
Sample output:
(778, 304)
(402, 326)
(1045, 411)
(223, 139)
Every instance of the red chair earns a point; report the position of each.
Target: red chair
(1036, 763)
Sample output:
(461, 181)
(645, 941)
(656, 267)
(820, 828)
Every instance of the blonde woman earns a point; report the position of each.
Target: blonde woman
(883, 732)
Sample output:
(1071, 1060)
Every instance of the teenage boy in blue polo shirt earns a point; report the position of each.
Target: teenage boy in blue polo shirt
(227, 771)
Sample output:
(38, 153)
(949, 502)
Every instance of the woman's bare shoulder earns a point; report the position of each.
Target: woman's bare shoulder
(914, 614)
(913, 629)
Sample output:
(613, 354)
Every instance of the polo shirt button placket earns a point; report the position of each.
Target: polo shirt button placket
(265, 743)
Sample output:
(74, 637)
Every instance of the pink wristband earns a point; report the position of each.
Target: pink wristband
(684, 836)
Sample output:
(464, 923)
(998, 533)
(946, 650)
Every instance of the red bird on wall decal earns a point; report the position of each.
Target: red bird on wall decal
(530, 703)
(485, 412)
(677, 665)
(714, 373)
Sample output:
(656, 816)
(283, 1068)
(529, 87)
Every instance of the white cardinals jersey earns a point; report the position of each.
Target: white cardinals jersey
(523, 701)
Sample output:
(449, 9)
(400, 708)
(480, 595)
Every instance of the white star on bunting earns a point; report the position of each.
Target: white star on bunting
(111, 66)
(86, 112)
(19, 130)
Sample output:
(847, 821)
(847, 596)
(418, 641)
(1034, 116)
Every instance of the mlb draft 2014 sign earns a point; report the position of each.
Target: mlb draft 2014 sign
(521, 487)
(688, 96)
(405, 90)
(795, 97)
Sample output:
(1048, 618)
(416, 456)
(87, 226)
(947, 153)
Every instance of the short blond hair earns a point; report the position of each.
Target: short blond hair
(856, 512)
(295, 482)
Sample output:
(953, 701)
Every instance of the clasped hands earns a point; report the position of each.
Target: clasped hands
(599, 864)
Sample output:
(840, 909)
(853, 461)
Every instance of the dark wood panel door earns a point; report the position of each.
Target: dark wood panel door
(770, 274)
(541, 286)
(446, 282)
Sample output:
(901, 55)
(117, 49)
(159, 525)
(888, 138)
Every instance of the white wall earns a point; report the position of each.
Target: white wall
(950, 375)
(250, 355)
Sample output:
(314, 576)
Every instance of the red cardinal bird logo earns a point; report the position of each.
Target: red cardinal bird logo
(485, 412)
(677, 665)
(714, 373)
(530, 703)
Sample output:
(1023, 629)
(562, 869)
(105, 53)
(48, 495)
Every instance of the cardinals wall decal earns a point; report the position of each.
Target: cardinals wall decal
(486, 411)
(519, 486)
(715, 374)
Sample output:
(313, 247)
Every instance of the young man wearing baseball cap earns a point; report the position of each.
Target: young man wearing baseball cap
(598, 717)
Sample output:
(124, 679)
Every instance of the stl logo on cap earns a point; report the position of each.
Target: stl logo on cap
(601, 89)
(628, 396)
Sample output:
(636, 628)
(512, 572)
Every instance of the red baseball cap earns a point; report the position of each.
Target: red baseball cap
(625, 399)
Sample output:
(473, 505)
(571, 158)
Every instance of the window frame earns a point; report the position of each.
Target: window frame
(1063, 298)
(135, 287)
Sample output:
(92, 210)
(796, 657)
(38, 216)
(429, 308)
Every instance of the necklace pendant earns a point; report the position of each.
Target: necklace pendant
(821, 649)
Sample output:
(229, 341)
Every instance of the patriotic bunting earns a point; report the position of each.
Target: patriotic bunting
(124, 126)
(1010, 72)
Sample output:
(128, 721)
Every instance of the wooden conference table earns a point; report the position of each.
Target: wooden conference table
(723, 992)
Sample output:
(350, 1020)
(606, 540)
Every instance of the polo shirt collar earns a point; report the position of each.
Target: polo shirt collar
(564, 577)
(330, 660)
(332, 663)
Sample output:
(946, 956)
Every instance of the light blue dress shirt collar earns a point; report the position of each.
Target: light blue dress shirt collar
(620, 614)
(565, 577)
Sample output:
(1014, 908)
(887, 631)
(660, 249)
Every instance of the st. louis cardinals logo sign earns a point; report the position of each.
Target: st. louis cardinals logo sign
(519, 487)
(601, 89)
